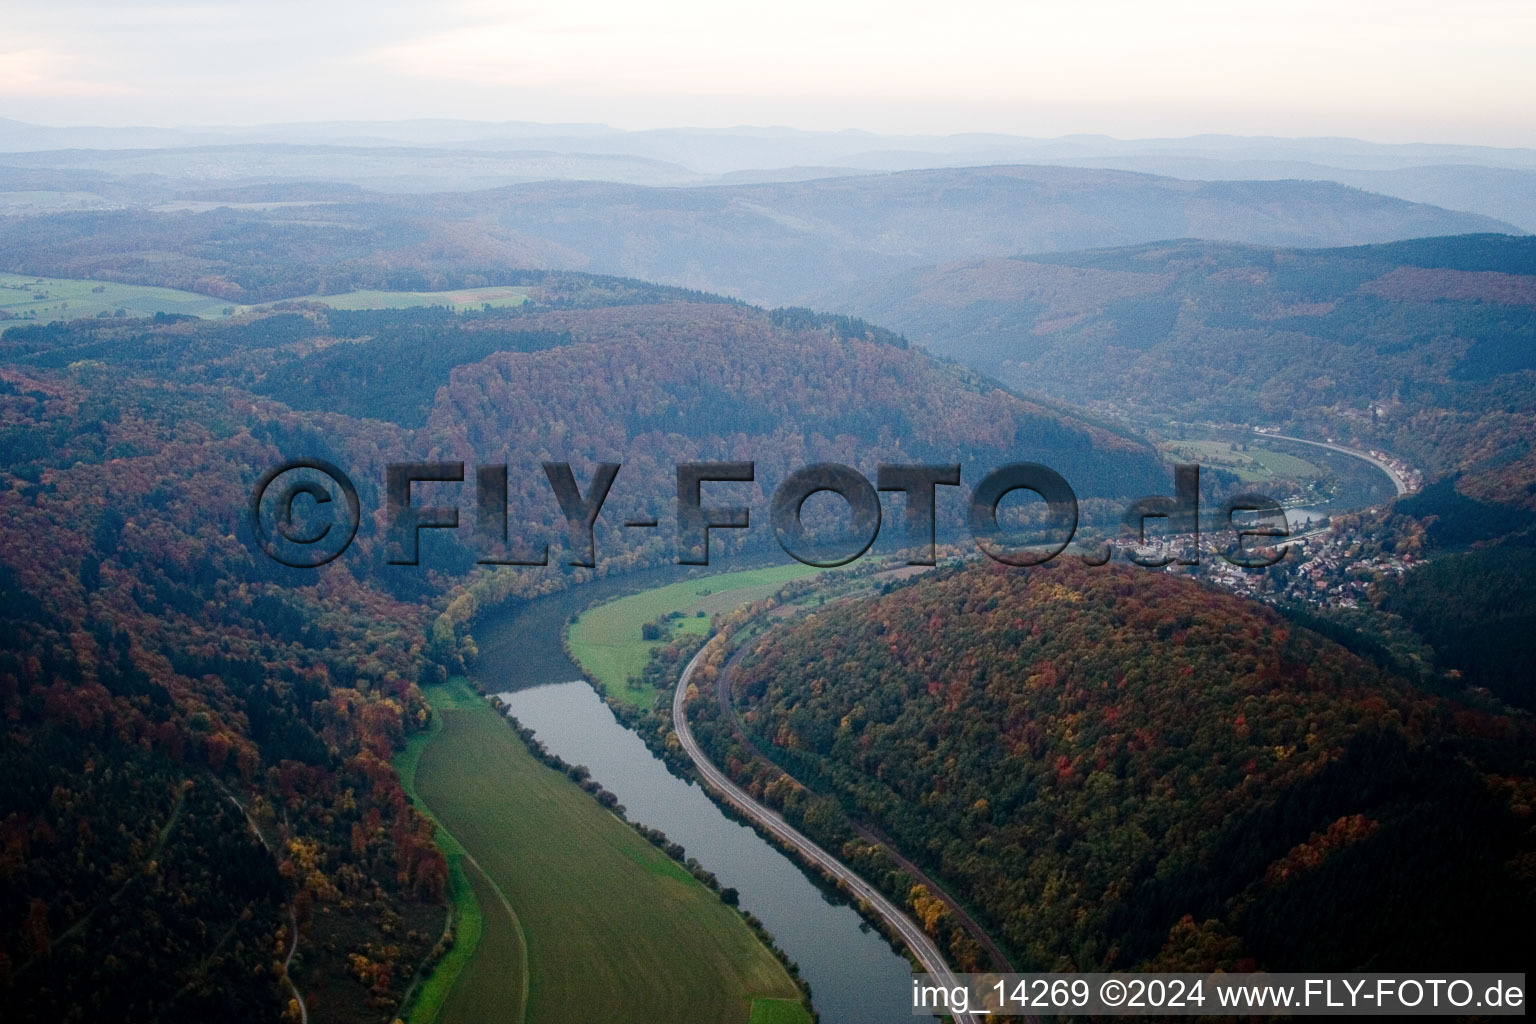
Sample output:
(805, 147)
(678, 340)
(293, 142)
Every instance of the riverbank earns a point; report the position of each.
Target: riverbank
(1402, 477)
(854, 974)
(611, 924)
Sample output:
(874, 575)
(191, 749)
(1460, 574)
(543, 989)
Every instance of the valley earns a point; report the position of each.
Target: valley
(296, 793)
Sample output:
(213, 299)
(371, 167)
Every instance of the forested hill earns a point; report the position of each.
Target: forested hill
(651, 386)
(598, 370)
(197, 742)
(1116, 769)
(1426, 347)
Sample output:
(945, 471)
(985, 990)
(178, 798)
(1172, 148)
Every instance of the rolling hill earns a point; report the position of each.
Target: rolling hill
(773, 243)
(1426, 347)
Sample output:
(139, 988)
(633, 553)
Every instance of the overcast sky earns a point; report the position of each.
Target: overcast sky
(1387, 70)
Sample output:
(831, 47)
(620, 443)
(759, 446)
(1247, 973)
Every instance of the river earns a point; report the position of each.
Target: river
(1358, 480)
(855, 976)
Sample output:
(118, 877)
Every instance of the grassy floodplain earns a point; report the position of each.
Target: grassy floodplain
(778, 1011)
(496, 975)
(45, 299)
(606, 640)
(613, 929)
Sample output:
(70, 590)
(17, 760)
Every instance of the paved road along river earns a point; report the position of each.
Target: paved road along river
(916, 939)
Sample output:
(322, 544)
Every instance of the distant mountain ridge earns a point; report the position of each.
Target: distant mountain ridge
(772, 244)
(718, 150)
(780, 242)
(1496, 182)
(158, 173)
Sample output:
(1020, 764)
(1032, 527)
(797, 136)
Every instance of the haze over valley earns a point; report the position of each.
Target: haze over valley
(1114, 463)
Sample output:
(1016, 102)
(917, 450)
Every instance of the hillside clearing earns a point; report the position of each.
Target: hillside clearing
(45, 299)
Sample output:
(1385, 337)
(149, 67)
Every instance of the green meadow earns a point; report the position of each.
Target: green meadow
(458, 300)
(778, 1011)
(45, 299)
(488, 964)
(606, 641)
(608, 927)
(1255, 465)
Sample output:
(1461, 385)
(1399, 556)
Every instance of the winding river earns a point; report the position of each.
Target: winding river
(855, 976)
(1360, 480)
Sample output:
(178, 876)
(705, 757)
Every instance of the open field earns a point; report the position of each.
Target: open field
(1255, 465)
(486, 948)
(606, 642)
(425, 1003)
(45, 299)
(615, 930)
(459, 300)
(493, 983)
(778, 1011)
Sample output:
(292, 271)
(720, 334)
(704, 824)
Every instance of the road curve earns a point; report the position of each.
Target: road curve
(1397, 481)
(916, 939)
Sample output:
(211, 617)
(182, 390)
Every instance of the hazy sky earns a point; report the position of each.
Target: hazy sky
(1389, 70)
